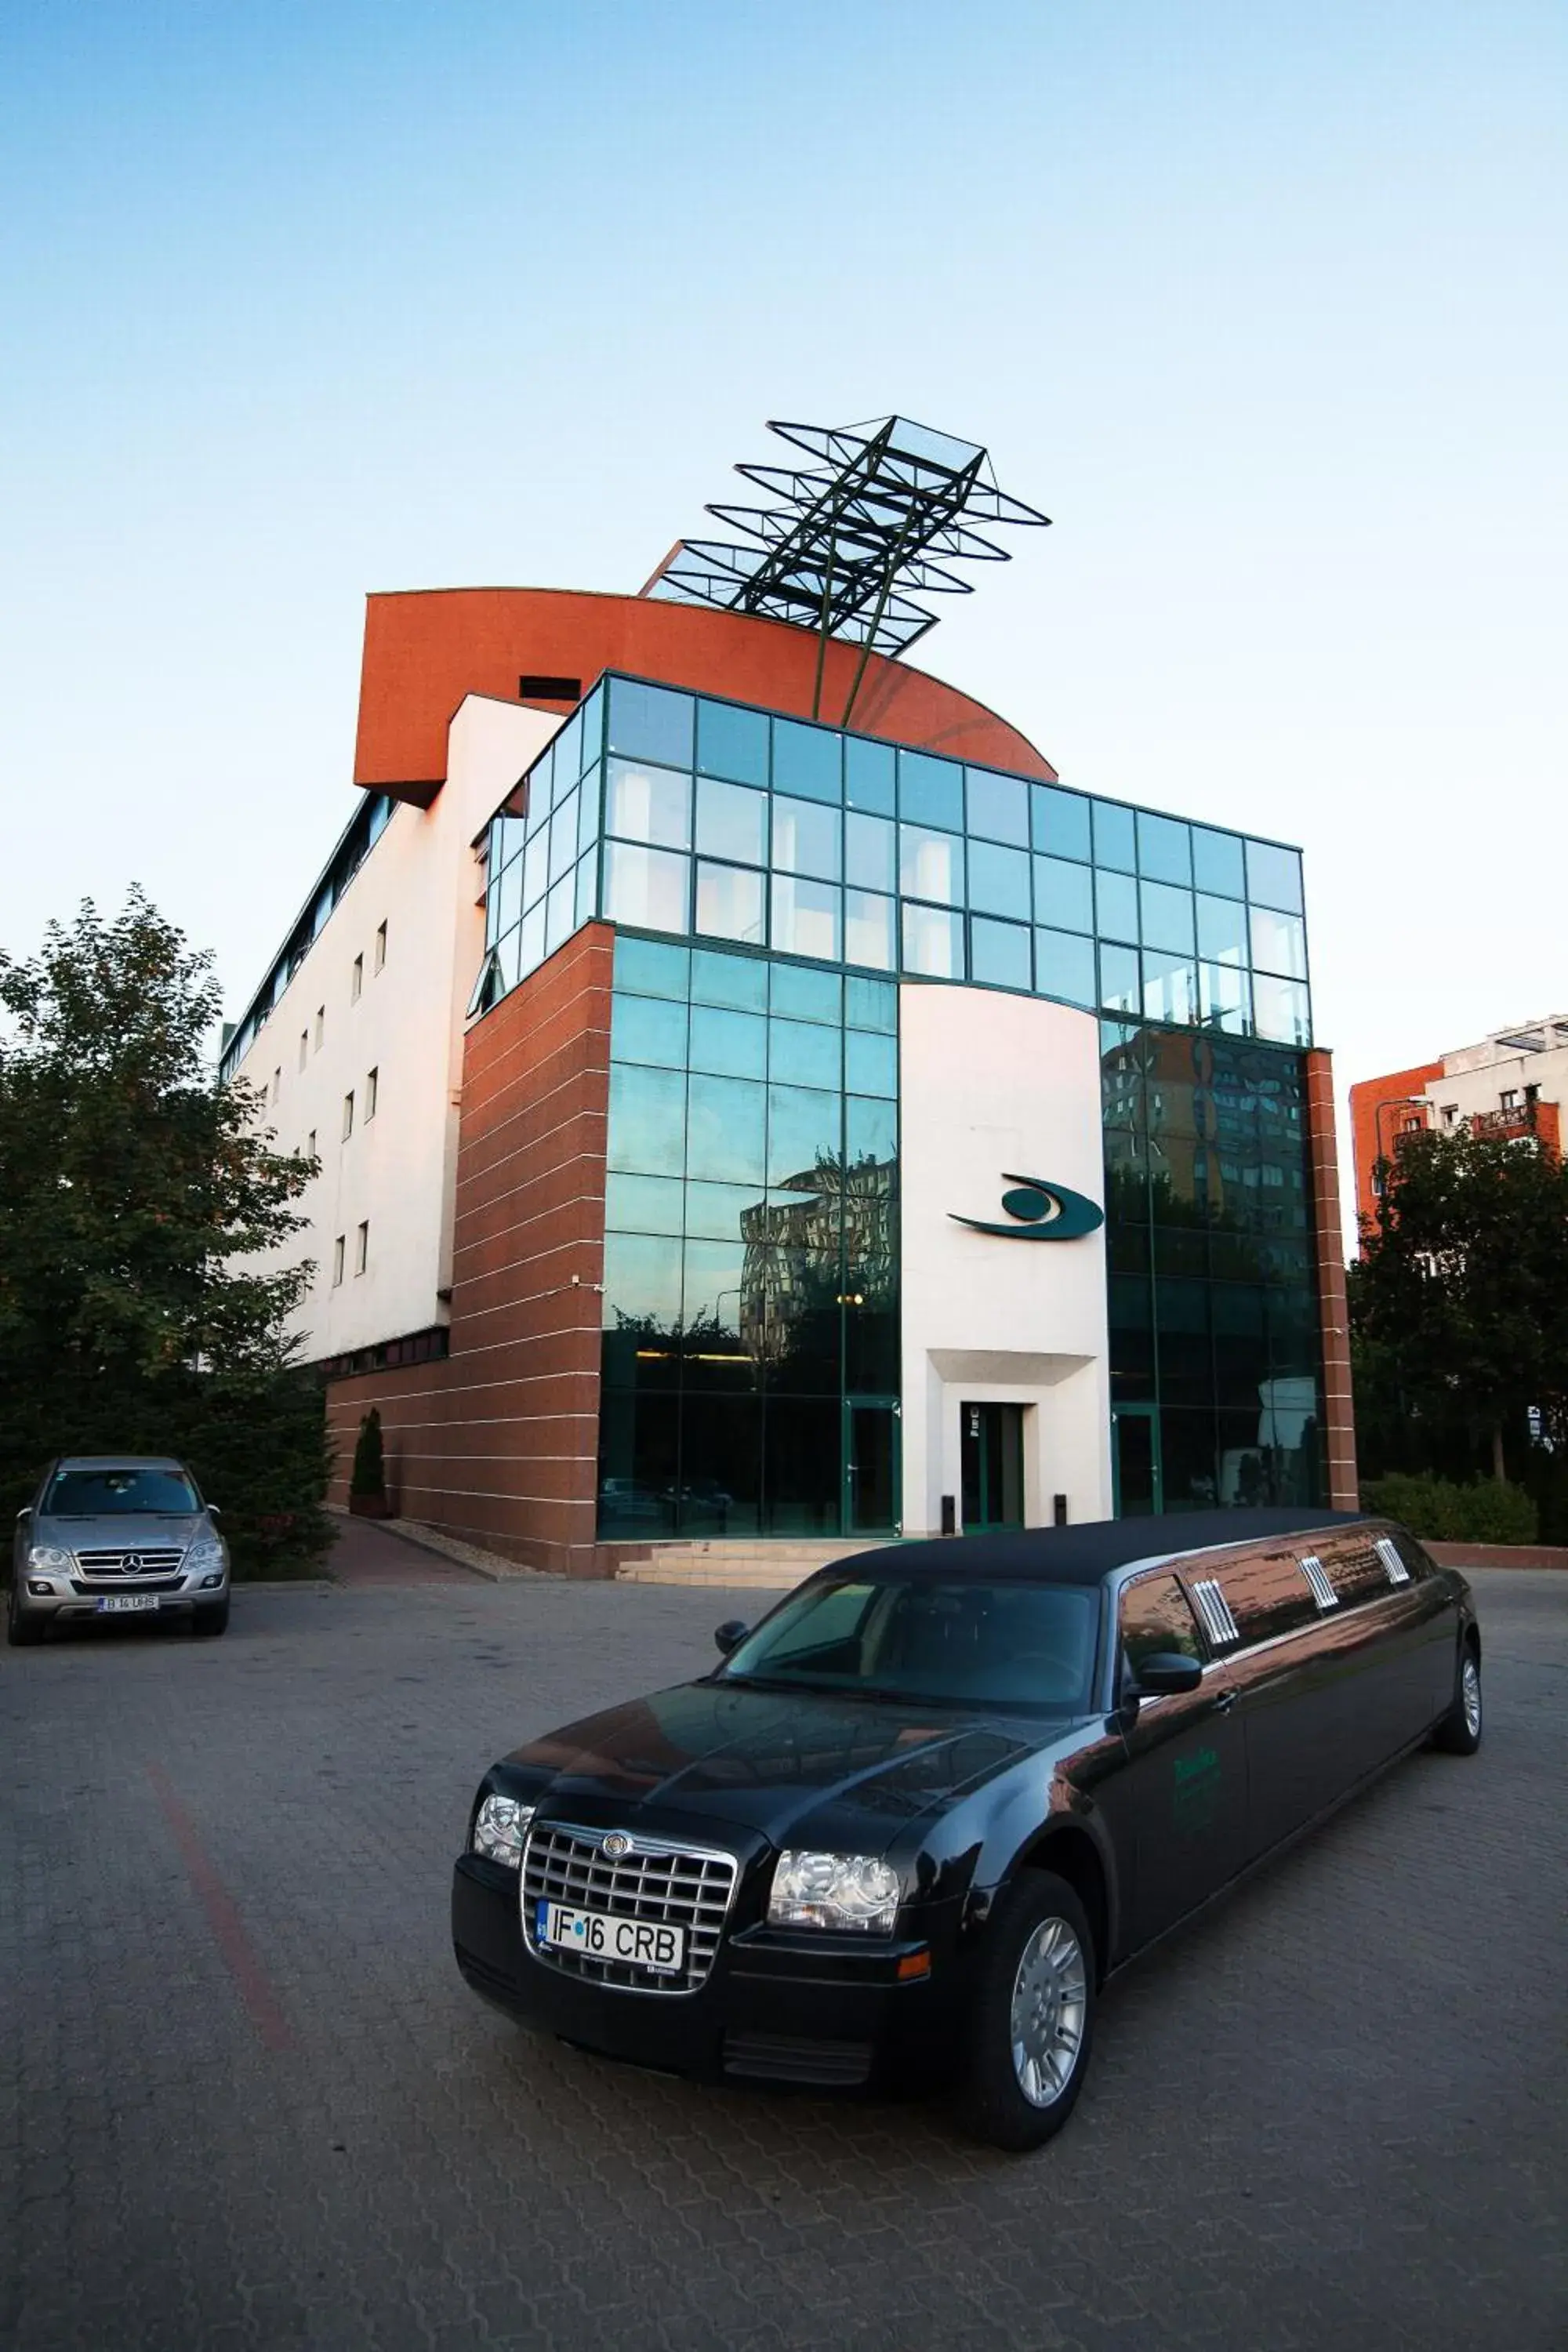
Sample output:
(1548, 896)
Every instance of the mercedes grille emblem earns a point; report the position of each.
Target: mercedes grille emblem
(133, 1563)
(615, 1845)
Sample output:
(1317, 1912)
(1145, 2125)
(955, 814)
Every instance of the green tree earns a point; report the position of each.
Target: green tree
(1459, 1303)
(368, 1475)
(137, 1191)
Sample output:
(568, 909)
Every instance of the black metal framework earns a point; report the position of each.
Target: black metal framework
(844, 536)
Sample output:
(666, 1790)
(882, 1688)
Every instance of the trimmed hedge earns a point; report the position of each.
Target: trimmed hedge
(1484, 1511)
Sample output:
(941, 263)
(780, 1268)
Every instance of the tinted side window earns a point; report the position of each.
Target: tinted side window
(1355, 1570)
(1410, 1552)
(1268, 1595)
(1155, 1617)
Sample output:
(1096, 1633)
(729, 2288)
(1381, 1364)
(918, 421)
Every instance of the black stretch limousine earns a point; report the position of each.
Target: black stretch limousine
(907, 1826)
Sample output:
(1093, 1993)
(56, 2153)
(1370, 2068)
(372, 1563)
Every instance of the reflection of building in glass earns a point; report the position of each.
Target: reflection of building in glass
(833, 1248)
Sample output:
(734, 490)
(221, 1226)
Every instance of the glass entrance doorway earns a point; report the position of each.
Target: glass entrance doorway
(993, 1466)
(870, 1465)
(1135, 1460)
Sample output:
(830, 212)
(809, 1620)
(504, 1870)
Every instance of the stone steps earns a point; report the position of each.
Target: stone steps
(771, 1567)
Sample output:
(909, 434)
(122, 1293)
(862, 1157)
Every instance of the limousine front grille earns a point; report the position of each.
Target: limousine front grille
(690, 1888)
(1316, 1576)
(1214, 1610)
(128, 1561)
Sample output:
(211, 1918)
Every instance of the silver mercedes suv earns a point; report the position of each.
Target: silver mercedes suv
(112, 1534)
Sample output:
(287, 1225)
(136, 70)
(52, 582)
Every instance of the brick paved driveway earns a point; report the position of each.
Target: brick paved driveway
(247, 2101)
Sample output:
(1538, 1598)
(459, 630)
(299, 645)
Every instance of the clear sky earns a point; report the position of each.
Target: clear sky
(1263, 304)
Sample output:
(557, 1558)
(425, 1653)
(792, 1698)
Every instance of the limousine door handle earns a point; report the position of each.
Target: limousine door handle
(1225, 1701)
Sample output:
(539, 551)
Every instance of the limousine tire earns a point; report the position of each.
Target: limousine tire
(1460, 1731)
(1033, 2017)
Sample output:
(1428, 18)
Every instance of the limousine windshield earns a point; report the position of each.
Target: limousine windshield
(1012, 1644)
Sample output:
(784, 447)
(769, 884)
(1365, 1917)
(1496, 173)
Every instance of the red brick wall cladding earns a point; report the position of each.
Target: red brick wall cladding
(1322, 1160)
(499, 1444)
(1378, 1106)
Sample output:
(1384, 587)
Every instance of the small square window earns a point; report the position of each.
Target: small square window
(999, 952)
(807, 839)
(356, 981)
(348, 1114)
(731, 823)
(310, 1145)
(337, 1261)
(277, 1084)
(372, 1088)
(730, 902)
(931, 792)
(649, 804)
(321, 1026)
(933, 942)
(931, 865)
(380, 945)
(304, 1045)
(806, 918)
(362, 1248)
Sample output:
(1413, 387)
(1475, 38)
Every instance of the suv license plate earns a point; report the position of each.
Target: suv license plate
(601, 1936)
(110, 1602)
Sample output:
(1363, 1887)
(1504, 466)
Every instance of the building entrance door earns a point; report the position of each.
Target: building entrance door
(993, 1466)
(870, 1465)
(1137, 1484)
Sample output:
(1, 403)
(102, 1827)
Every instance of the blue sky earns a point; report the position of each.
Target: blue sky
(1263, 305)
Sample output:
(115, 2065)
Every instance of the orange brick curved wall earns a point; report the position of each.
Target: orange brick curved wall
(427, 649)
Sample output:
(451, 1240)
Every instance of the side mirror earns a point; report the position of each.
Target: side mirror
(1166, 1675)
(213, 1512)
(26, 1512)
(729, 1636)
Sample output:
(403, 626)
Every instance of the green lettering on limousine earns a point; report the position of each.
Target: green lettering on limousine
(1196, 1788)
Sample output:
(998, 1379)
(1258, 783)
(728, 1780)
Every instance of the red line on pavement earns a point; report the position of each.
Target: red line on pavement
(255, 1986)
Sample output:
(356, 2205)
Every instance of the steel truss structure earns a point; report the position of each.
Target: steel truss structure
(844, 537)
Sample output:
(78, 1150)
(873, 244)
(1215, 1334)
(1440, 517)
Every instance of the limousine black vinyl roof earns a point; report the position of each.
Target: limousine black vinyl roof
(1084, 1554)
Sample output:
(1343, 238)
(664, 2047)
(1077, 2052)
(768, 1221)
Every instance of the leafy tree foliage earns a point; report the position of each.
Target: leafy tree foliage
(136, 1192)
(1459, 1307)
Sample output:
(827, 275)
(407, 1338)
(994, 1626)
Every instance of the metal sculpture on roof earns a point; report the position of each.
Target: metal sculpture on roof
(844, 536)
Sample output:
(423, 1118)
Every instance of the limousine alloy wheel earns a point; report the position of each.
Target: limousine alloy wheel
(1034, 2016)
(1460, 1730)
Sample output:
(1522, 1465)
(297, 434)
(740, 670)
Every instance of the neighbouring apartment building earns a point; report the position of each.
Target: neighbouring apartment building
(754, 1097)
(1513, 1084)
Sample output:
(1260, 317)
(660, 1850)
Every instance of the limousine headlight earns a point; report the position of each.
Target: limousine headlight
(834, 1890)
(500, 1826)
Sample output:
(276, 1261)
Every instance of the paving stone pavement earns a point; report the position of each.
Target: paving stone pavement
(245, 2101)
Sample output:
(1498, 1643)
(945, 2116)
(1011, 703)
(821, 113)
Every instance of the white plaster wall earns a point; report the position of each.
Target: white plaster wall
(1474, 1084)
(396, 1170)
(993, 1085)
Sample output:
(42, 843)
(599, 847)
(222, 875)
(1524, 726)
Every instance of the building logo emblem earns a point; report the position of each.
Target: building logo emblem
(1039, 1212)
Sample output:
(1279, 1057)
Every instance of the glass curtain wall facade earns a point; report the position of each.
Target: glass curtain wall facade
(750, 1364)
(1215, 1342)
(771, 880)
(676, 813)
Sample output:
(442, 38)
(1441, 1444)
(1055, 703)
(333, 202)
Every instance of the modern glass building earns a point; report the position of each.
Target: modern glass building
(754, 1099)
(771, 883)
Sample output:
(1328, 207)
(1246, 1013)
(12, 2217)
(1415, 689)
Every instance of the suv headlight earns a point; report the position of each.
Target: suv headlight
(206, 1553)
(50, 1557)
(834, 1890)
(499, 1827)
